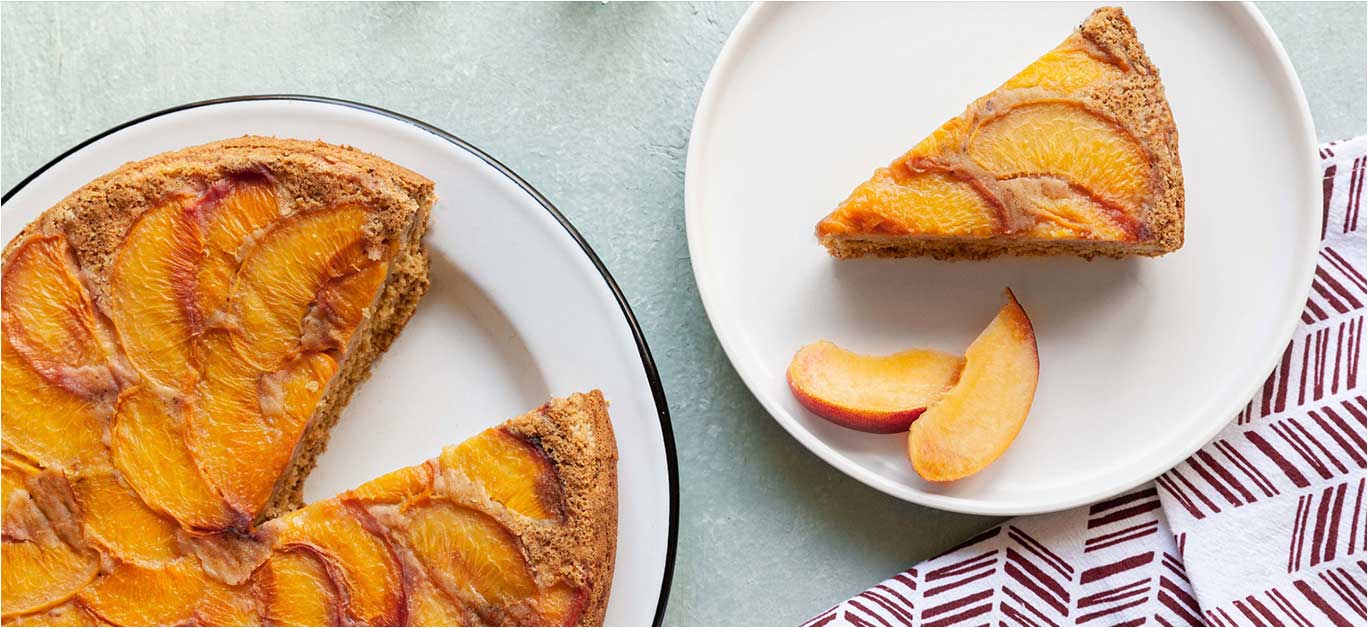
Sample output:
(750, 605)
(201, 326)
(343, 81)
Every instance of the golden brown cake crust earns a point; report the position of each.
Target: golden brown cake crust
(309, 174)
(1139, 101)
(577, 436)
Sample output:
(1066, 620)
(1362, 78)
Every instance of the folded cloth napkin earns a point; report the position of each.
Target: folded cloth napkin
(1265, 525)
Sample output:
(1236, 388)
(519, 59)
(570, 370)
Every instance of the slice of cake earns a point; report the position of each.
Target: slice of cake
(178, 337)
(1075, 155)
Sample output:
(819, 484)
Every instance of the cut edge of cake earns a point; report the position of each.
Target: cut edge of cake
(577, 435)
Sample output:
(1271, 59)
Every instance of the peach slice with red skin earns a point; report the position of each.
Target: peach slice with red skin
(152, 291)
(296, 590)
(44, 422)
(242, 413)
(473, 556)
(280, 280)
(131, 595)
(117, 520)
(232, 213)
(149, 449)
(66, 614)
(1065, 140)
(357, 555)
(430, 606)
(397, 487)
(976, 420)
(38, 574)
(562, 605)
(49, 319)
(878, 394)
(344, 300)
(512, 471)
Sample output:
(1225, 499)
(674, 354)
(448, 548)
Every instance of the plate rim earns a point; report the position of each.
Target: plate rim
(643, 349)
(693, 216)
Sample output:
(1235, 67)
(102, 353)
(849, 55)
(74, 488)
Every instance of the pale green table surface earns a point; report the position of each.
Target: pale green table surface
(592, 104)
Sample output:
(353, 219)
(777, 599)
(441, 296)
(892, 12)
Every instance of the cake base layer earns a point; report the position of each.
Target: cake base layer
(850, 247)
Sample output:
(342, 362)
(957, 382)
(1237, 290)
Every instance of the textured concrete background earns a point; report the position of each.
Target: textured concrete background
(592, 104)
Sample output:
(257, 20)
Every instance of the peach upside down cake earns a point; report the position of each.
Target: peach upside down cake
(1075, 155)
(178, 338)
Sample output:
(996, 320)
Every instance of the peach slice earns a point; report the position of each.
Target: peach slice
(470, 553)
(116, 519)
(45, 423)
(244, 415)
(239, 209)
(1060, 212)
(340, 307)
(512, 471)
(223, 605)
(1065, 140)
(149, 450)
(430, 606)
(901, 202)
(152, 291)
(281, 278)
(131, 595)
(296, 590)
(50, 320)
(1068, 69)
(562, 605)
(878, 394)
(14, 475)
(66, 614)
(397, 487)
(356, 555)
(39, 574)
(975, 421)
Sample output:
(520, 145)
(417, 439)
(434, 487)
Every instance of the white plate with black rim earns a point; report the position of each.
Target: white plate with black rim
(483, 345)
(1141, 361)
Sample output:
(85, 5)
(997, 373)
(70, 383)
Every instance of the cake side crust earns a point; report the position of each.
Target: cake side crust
(577, 435)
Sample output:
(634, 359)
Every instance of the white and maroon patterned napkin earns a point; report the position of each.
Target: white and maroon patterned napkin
(1266, 525)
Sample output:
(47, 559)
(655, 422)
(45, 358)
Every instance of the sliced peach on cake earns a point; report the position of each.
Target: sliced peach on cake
(66, 614)
(472, 555)
(242, 414)
(1067, 69)
(356, 554)
(152, 291)
(975, 421)
(49, 319)
(896, 201)
(14, 475)
(879, 394)
(512, 471)
(281, 277)
(430, 606)
(224, 605)
(117, 520)
(237, 211)
(44, 422)
(1058, 139)
(296, 590)
(397, 487)
(149, 449)
(40, 573)
(561, 605)
(131, 595)
(341, 305)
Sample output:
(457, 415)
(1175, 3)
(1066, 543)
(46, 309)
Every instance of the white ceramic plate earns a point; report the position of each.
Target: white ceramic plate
(483, 345)
(1142, 361)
